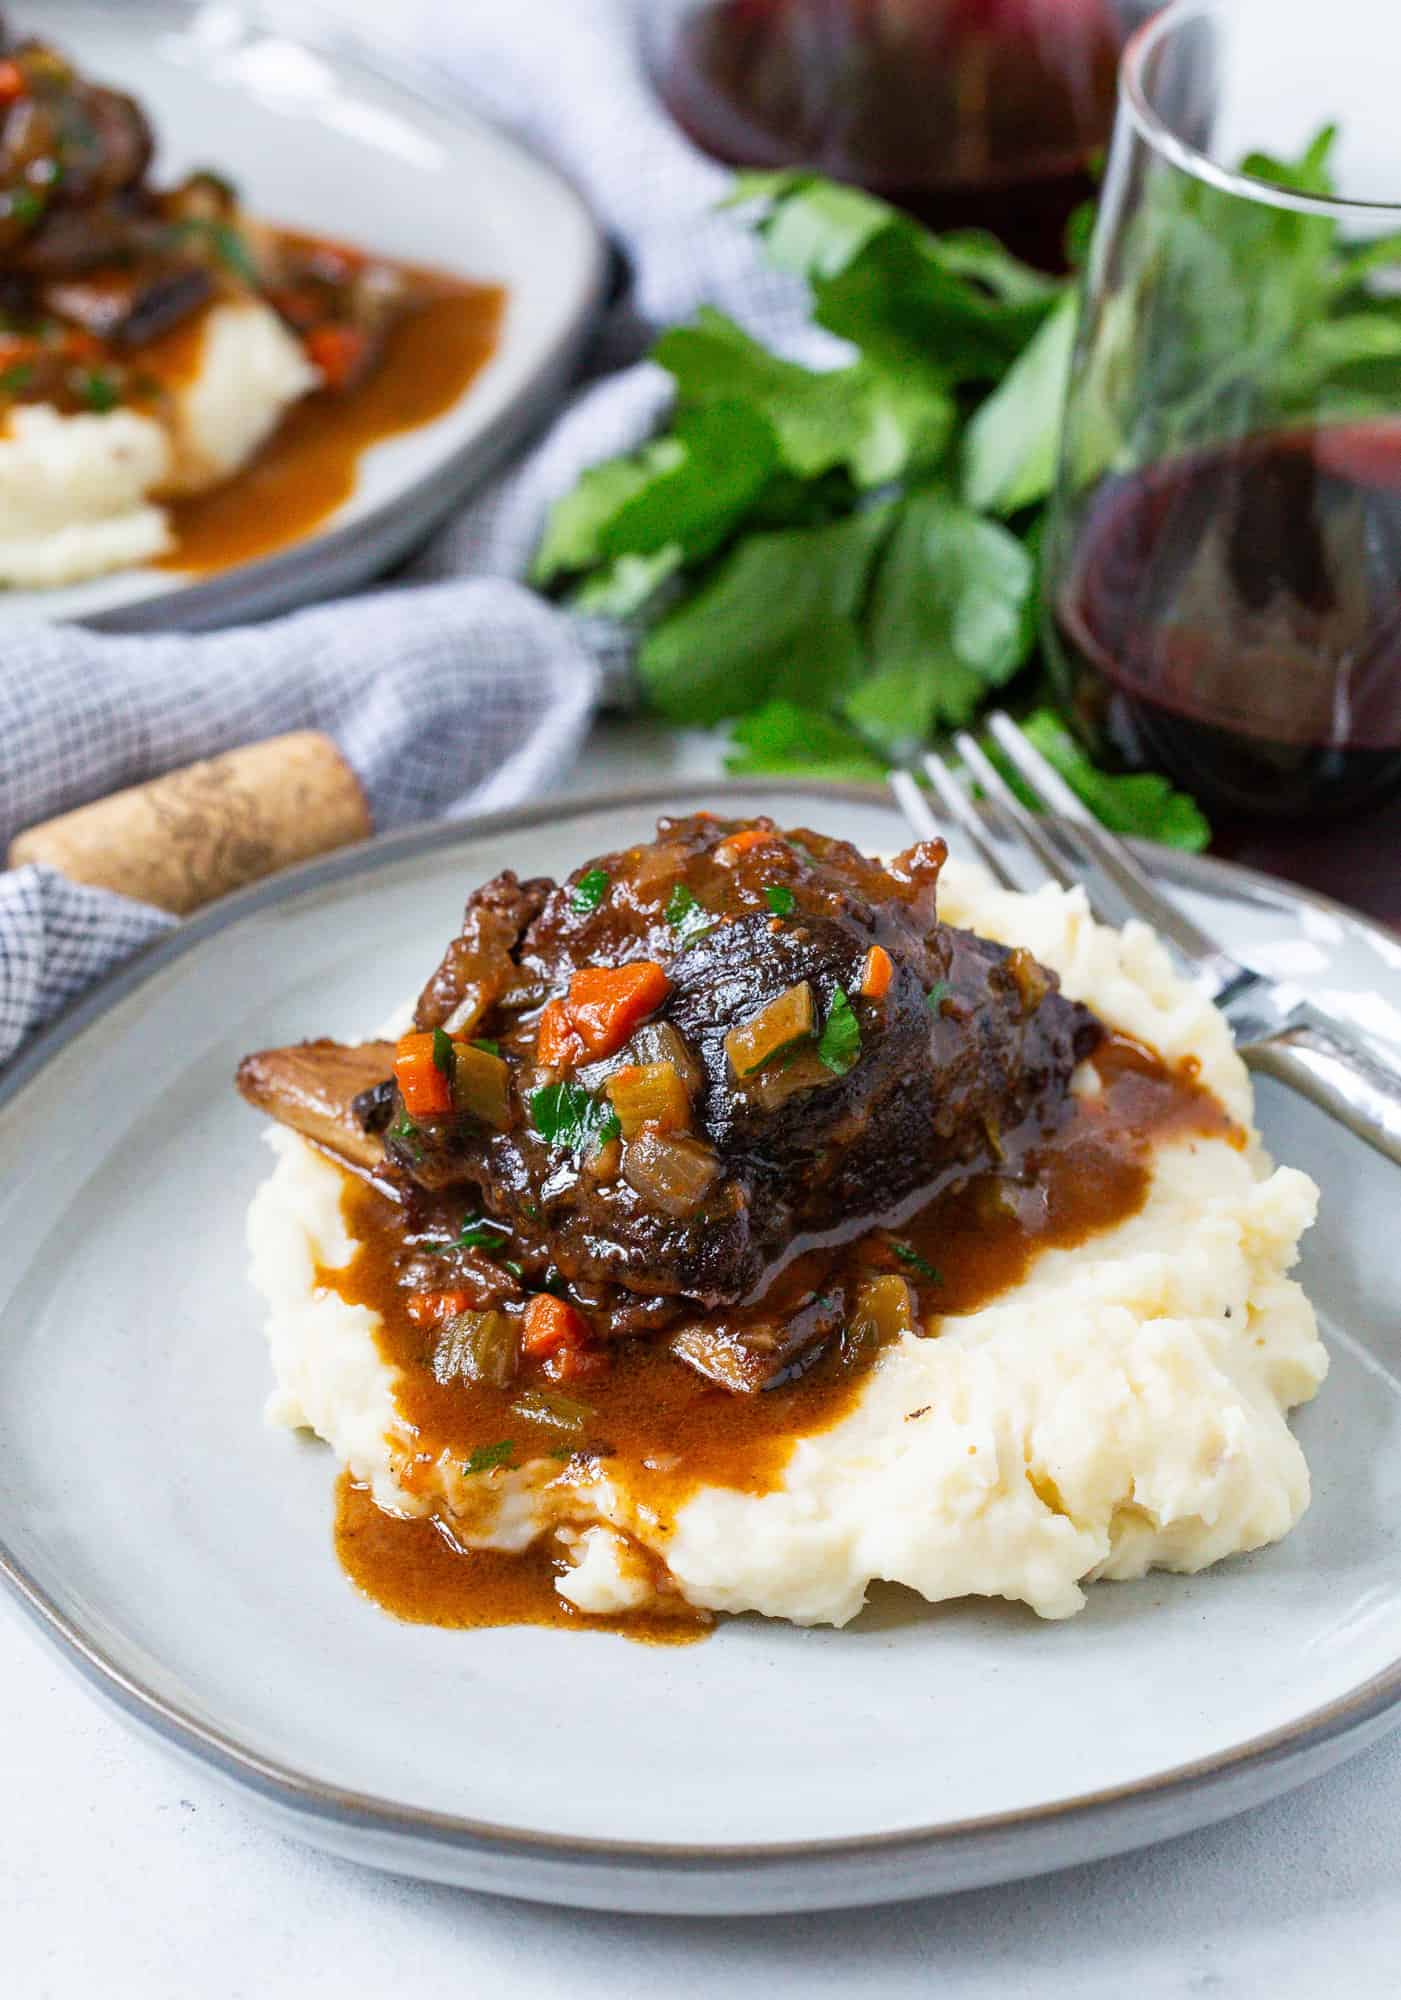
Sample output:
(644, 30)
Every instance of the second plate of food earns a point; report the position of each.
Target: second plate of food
(271, 312)
(1090, 1354)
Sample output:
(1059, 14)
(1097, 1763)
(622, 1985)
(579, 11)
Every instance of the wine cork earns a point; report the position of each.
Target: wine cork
(197, 833)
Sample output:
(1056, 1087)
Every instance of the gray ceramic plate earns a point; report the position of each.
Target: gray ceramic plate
(179, 1553)
(319, 136)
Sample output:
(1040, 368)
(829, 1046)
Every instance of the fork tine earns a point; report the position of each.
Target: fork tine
(1108, 852)
(960, 808)
(914, 805)
(995, 787)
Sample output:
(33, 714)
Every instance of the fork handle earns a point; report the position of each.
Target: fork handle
(1337, 1071)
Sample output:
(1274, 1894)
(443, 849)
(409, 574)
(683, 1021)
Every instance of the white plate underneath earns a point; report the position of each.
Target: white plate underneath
(316, 135)
(181, 1553)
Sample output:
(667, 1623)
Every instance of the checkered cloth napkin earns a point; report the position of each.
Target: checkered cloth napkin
(458, 690)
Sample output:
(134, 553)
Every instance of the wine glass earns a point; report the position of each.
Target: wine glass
(965, 112)
(1223, 558)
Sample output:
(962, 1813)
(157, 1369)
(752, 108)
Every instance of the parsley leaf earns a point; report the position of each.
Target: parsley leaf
(782, 737)
(478, 1232)
(951, 619)
(572, 1118)
(487, 1457)
(487, 1045)
(590, 890)
(855, 418)
(937, 995)
(98, 391)
(907, 1254)
(840, 1046)
(780, 899)
(442, 1053)
(689, 917)
(778, 618)
(1143, 803)
(15, 379)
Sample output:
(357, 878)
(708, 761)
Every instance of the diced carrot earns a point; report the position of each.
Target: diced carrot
(606, 1002)
(729, 851)
(12, 82)
(338, 351)
(876, 974)
(577, 1364)
(425, 1090)
(431, 1308)
(551, 1324)
(556, 1044)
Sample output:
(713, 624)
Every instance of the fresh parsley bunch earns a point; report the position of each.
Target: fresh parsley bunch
(843, 563)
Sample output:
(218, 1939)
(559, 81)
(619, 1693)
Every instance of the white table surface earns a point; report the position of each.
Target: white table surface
(124, 1875)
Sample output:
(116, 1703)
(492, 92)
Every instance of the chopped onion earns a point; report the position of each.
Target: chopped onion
(481, 1085)
(782, 1025)
(659, 1042)
(671, 1174)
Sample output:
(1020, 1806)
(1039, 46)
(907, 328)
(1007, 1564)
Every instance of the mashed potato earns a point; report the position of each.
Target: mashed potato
(79, 495)
(1120, 1409)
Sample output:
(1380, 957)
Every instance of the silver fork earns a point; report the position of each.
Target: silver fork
(1277, 1030)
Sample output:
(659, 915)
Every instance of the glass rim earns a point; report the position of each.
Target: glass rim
(1157, 133)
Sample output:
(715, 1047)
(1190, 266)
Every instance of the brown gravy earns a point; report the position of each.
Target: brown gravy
(308, 467)
(663, 1429)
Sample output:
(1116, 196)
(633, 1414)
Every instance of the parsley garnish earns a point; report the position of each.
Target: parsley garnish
(98, 391)
(937, 995)
(679, 906)
(406, 1132)
(686, 915)
(226, 244)
(17, 378)
(478, 1232)
(590, 890)
(442, 1053)
(907, 1254)
(780, 899)
(840, 1047)
(568, 1116)
(487, 1045)
(487, 1457)
(24, 204)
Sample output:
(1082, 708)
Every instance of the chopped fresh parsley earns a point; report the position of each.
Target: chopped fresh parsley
(780, 899)
(17, 378)
(687, 916)
(907, 1254)
(590, 890)
(24, 204)
(572, 1118)
(937, 995)
(226, 243)
(840, 1046)
(478, 1232)
(487, 1045)
(442, 1053)
(98, 391)
(487, 1457)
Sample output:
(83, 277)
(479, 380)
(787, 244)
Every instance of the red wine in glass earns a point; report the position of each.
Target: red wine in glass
(987, 113)
(1233, 617)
